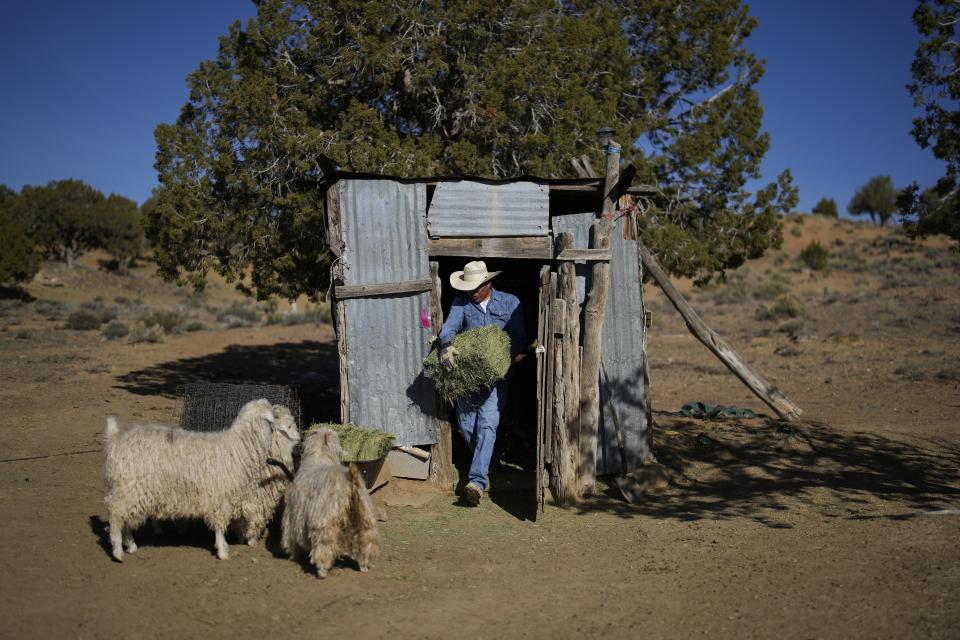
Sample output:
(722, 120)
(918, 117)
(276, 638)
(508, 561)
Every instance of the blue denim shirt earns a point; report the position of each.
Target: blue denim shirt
(503, 310)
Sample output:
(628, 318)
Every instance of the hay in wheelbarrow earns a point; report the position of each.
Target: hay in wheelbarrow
(364, 446)
(482, 359)
(359, 444)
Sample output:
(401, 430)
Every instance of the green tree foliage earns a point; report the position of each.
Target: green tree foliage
(877, 198)
(936, 89)
(19, 259)
(826, 207)
(61, 217)
(66, 218)
(476, 88)
(119, 229)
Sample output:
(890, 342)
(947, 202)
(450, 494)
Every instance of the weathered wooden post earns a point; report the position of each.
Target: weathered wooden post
(564, 490)
(593, 315)
(441, 455)
(571, 359)
(335, 241)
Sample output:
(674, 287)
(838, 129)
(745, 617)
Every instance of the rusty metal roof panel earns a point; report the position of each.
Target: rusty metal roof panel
(472, 209)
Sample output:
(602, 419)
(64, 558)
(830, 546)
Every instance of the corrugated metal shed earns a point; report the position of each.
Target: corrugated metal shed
(384, 234)
(624, 344)
(465, 209)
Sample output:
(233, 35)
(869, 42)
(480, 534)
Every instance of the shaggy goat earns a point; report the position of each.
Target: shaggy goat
(158, 472)
(328, 512)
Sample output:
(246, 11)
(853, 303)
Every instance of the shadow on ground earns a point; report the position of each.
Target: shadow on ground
(757, 468)
(310, 366)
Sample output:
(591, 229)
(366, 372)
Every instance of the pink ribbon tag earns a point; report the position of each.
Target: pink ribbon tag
(424, 319)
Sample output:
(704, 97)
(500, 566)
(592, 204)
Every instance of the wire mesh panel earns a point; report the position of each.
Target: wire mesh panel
(213, 406)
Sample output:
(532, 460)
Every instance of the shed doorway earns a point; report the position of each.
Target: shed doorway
(514, 467)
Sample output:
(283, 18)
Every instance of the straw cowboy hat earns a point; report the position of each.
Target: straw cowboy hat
(474, 274)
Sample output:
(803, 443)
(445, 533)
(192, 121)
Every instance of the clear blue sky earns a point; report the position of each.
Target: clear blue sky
(85, 83)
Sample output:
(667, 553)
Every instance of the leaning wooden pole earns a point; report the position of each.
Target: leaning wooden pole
(764, 390)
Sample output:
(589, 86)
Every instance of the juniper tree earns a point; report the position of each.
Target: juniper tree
(119, 229)
(826, 207)
(19, 260)
(60, 217)
(477, 88)
(936, 89)
(877, 198)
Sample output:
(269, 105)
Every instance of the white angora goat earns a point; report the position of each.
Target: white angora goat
(159, 472)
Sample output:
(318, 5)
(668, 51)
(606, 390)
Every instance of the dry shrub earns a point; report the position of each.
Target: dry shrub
(83, 320)
(169, 320)
(815, 256)
(743, 284)
(317, 315)
(238, 314)
(49, 308)
(141, 332)
(115, 330)
(785, 306)
(105, 312)
(791, 327)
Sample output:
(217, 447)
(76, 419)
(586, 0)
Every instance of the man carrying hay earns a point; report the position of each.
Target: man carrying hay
(479, 413)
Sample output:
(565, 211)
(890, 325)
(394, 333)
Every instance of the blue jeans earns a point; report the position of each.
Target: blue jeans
(479, 415)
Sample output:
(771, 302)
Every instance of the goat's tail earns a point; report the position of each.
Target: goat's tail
(113, 428)
(358, 494)
(358, 491)
(357, 483)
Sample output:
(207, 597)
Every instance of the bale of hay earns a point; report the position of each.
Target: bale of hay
(483, 358)
(359, 444)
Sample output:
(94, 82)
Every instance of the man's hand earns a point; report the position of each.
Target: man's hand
(448, 357)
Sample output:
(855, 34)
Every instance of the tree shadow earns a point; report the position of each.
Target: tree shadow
(310, 366)
(755, 468)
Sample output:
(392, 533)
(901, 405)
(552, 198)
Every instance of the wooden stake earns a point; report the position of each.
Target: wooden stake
(335, 240)
(763, 389)
(441, 459)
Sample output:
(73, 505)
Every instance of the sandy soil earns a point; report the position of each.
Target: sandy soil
(830, 529)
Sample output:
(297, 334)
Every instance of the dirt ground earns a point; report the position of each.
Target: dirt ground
(843, 527)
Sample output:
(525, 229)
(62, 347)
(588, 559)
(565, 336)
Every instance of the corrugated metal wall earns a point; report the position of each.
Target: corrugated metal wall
(384, 232)
(467, 208)
(624, 344)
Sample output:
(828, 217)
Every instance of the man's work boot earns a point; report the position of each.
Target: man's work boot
(472, 493)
